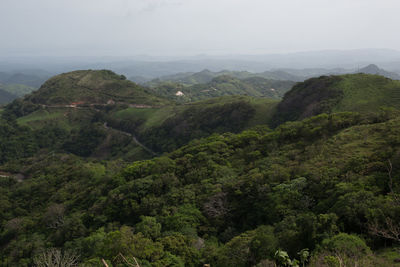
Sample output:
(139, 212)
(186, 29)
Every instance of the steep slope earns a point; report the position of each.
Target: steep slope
(167, 128)
(351, 92)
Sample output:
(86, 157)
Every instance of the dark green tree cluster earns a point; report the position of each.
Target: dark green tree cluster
(197, 122)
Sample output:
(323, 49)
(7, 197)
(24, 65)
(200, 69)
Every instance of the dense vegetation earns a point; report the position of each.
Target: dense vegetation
(168, 128)
(322, 191)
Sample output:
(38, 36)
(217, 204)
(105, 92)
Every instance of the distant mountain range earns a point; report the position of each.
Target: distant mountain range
(152, 67)
(22, 81)
(288, 74)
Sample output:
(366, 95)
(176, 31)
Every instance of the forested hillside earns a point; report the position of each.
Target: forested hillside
(352, 92)
(231, 181)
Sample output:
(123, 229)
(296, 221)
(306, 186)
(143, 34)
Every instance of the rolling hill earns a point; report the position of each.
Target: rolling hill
(92, 87)
(106, 102)
(351, 92)
(224, 85)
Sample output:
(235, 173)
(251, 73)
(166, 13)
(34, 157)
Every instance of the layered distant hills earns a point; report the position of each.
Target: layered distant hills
(17, 84)
(186, 87)
(206, 76)
(223, 86)
(196, 85)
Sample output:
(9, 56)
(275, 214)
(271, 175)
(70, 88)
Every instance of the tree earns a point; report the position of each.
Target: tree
(54, 257)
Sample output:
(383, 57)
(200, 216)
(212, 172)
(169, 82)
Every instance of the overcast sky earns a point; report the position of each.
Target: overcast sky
(190, 27)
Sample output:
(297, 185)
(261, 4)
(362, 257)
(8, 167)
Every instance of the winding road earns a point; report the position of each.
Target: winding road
(133, 138)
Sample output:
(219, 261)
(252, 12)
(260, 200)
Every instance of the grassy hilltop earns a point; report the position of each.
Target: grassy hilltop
(90, 86)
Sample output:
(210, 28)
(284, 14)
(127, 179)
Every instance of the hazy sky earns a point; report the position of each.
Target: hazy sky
(189, 27)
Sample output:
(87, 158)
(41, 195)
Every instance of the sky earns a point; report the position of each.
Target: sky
(193, 27)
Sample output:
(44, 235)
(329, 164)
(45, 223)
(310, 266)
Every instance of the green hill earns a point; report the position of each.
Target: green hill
(167, 128)
(160, 129)
(85, 88)
(91, 87)
(79, 100)
(326, 94)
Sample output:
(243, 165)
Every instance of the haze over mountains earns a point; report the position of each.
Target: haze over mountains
(187, 133)
(152, 66)
(22, 75)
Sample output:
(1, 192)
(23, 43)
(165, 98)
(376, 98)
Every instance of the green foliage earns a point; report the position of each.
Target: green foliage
(343, 243)
(86, 88)
(149, 227)
(227, 199)
(353, 92)
(84, 142)
(312, 97)
(197, 122)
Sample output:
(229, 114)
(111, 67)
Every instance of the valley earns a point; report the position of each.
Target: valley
(100, 166)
